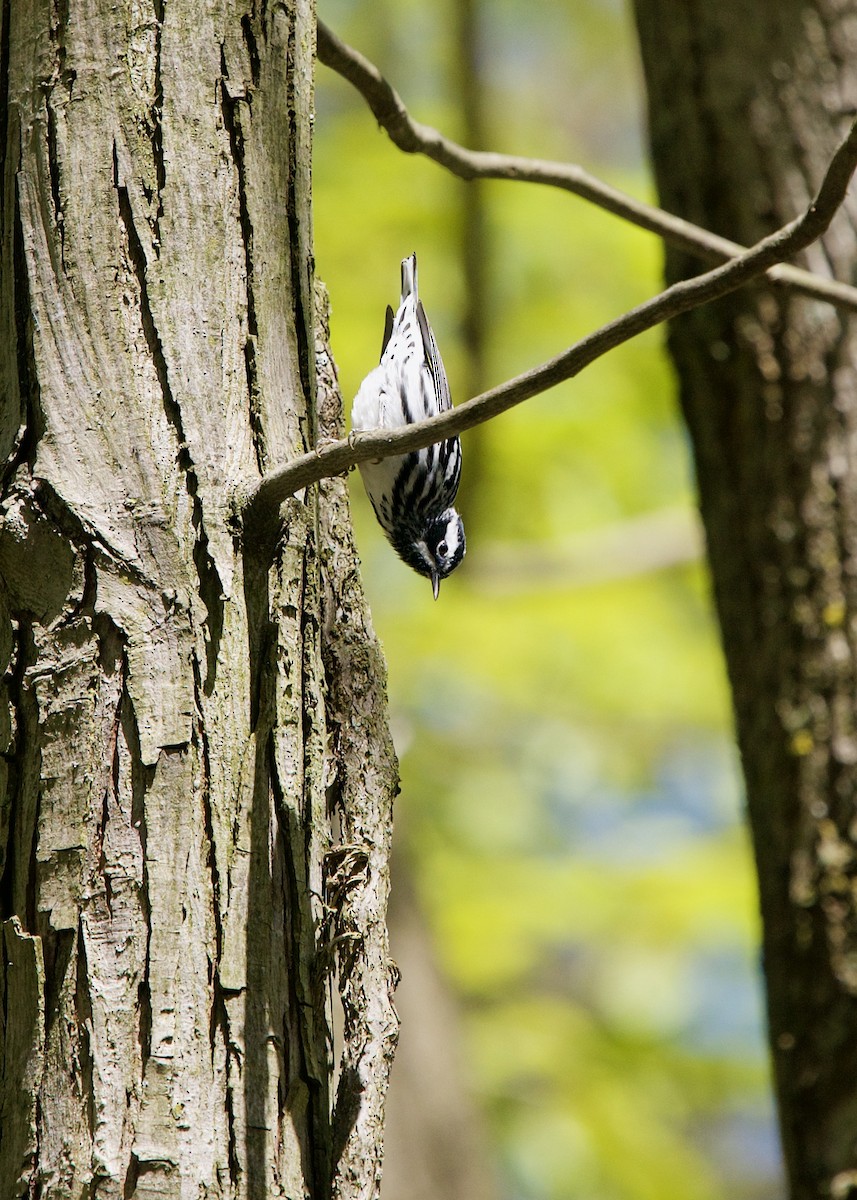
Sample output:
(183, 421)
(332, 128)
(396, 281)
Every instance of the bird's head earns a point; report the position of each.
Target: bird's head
(440, 549)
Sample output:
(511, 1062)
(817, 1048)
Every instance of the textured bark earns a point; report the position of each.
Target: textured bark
(357, 879)
(169, 745)
(746, 104)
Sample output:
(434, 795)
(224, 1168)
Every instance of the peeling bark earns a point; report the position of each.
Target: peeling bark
(173, 704)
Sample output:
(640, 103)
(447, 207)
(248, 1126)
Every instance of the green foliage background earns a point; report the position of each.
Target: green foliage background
(570, 807)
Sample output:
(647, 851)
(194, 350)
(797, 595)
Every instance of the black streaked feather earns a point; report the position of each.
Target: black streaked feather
(388, 329)
(438, 374)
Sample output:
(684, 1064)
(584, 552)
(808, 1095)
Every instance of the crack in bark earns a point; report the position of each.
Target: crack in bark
(5, 18)
(210, 589)
(255, 1071)
(132, 1177)
(230, 100)
(156, 130)
(83, 1014)
(89, 590)
(137, 256)
(294, 835)
(59, 25)
(219, 1016)
(289, 836)
(252, 48)
(24, 771)
(111, 784)
(59, 22)
(232, 1136)
(24, 451)
(59, 74)
(57, 948)
(303, 304)
(54, 173)
(220, 1024)
(86, 541)
(21, 981)
(34, 1181)
(200, 737)
(141, 778)
(210, 585)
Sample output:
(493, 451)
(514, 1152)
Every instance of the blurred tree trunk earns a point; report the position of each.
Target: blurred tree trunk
(436, 1145)
(178, 711)
(746, 104)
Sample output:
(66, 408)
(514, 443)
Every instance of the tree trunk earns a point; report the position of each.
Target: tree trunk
(181, 709)
(746, 104)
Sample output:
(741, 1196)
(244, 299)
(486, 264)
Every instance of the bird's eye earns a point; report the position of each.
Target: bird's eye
(442, 548)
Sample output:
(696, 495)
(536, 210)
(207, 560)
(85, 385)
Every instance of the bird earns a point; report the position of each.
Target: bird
(412, 494)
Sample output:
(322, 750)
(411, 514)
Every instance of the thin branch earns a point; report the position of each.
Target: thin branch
(415, 138)
(262, 501)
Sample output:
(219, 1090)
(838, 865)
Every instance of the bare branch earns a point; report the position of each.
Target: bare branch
(415, 138)
(261, 502)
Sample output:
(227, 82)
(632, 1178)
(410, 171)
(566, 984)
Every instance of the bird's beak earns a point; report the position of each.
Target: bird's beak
(435, 584)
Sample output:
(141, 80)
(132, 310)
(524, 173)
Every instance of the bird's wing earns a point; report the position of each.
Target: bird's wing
(438, 374)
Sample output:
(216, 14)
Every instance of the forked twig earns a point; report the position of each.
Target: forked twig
(414, 138)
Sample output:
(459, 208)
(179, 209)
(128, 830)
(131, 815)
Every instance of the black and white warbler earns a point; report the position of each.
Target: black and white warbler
(412, 494)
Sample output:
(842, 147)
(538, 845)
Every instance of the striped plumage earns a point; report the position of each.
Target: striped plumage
(412, 494)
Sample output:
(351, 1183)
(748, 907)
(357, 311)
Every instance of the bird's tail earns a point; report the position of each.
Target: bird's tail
(409, 277)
